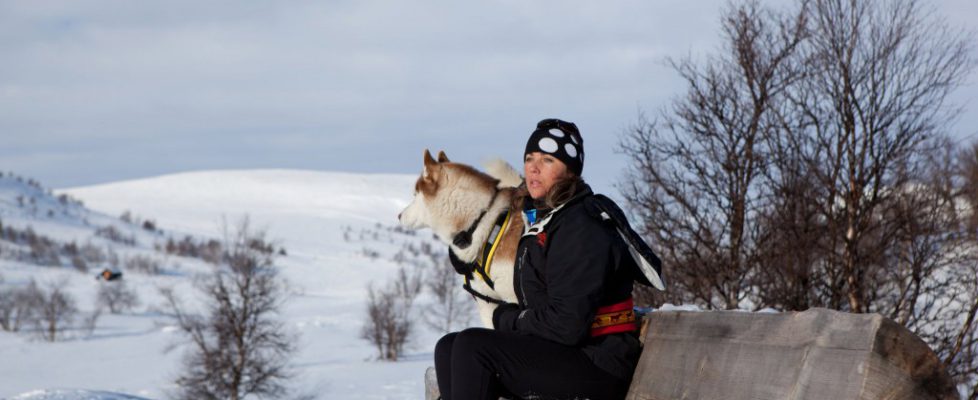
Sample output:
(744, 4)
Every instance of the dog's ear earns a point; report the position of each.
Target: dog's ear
(431, 167)
(442, 157)
(428, 161)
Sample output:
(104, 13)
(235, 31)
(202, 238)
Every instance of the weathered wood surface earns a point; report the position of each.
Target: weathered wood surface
(818, 354)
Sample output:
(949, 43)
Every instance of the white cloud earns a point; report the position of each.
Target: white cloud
(332, 75)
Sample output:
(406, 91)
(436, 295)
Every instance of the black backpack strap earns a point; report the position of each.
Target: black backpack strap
(650, 266)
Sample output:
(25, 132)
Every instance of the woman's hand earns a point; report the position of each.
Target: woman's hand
(501, 318)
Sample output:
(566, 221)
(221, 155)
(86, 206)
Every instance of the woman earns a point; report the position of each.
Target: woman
(572, 334)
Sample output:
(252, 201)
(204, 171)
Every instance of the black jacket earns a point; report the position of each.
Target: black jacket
(563, 274)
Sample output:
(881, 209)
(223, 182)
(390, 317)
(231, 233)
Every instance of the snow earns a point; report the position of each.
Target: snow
(305, 212)
(683, 307)
(73, 395)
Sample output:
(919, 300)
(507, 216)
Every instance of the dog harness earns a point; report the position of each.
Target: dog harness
(483, 263)
(463, 239)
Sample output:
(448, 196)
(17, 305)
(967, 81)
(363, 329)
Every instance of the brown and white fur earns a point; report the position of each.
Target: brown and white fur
(449, 197)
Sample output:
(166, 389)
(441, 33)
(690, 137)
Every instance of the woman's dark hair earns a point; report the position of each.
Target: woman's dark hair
(562, 191)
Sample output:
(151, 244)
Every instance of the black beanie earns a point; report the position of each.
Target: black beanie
(559, 139)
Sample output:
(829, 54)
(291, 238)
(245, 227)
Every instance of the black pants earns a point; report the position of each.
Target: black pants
(484, 364)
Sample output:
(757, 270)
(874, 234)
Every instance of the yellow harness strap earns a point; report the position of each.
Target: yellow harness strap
(484, 261)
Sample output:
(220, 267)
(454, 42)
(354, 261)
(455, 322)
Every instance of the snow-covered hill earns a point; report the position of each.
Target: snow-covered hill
(73, 395)
(332, 226)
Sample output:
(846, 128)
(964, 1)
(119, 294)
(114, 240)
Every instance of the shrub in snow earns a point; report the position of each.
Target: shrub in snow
(370, 253)
(452, 308)
(92, 254)
(116, 296)
(390, 315)
(237, 349)
(44, 251)
(90, 321)
(54, 310)
(143, 264)
(210, 250)
(112, 233)
(17, 306)
(79, 263)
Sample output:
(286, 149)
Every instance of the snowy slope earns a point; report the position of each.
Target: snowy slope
(57, 394)
(305, 212)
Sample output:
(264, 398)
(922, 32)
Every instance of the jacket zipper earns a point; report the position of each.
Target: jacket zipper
(519, 272)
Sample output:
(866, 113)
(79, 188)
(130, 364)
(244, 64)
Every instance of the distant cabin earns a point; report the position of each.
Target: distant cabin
(110, 275)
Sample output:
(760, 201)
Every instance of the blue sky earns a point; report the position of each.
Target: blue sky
(99, 91)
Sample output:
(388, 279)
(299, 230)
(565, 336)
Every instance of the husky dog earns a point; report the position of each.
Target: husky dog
(470, 212)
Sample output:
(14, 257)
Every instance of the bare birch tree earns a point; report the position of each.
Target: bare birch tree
(697, 169)
(840, 191)
(873, 99)
(238, 348)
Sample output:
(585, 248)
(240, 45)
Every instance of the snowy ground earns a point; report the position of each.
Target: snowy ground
(73, 395)
(305, 212)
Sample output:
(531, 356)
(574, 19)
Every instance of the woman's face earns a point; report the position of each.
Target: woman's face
(542, 171)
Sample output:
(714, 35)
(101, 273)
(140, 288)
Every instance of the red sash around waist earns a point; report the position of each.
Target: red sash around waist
(618, 317)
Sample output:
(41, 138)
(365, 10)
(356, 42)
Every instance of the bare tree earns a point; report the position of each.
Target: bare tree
(7, 305)
(865, 134)
(116, 296)
(968, 173)
(873, 99)
(55, 309)
(238, 348)
(141, 263)
(930, 284)
(381, 329)
(789, 279)
(90, 322)
(18, 306)
(390, 314)
(452, 308)
(851, 195)
(697, 170)
(961, 344)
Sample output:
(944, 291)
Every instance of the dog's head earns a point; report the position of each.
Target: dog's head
(447, 197)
